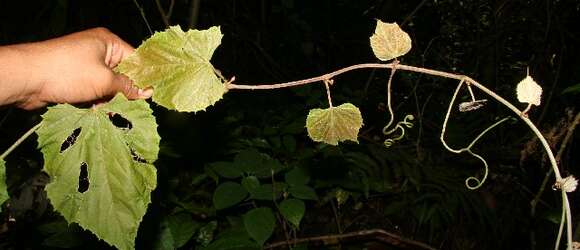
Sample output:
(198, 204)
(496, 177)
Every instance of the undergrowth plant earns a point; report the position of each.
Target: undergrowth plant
(100, 159)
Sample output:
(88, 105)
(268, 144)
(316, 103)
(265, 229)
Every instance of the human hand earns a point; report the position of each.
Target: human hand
(76, 68)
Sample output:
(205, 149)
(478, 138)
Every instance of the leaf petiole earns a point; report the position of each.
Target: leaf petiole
(20, 140)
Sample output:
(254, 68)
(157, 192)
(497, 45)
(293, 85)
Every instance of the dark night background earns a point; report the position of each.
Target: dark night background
(414, 189)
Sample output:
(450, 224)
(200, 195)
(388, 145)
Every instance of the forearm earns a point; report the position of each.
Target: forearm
(19, 77)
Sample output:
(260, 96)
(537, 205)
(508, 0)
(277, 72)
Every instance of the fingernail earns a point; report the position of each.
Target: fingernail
(145, 94)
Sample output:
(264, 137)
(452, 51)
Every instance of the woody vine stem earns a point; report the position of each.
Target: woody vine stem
(327, 80)
(566, 213)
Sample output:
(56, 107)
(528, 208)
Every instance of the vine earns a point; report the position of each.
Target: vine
(177, 64)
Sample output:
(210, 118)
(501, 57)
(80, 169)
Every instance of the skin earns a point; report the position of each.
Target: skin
(75, 68)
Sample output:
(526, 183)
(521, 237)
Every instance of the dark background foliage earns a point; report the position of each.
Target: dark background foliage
(414, 189)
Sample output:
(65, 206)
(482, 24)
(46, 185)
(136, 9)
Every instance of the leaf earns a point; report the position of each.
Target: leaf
(341, 196)
(3, 188)
(250, 183)
(60, 234)
(206, 233)
(266, 192)
(297, 177)
(226, 170)
(228, 194)
(293, 211)
(63, 240)
(259, 223)
(233, 243)
(111, 195)
(334, 124)
(389, 41)
(177, 65)
(529, 91)
(574, 89)
(303, 192)
(176, 231)
(258, 164)
(182, 228)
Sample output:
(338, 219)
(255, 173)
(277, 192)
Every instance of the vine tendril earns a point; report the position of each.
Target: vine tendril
(406, 122)
(387, 130)
(469, 180)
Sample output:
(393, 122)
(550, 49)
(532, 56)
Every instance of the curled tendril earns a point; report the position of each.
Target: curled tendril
(406, 122)
(478, 182)
(471, 179)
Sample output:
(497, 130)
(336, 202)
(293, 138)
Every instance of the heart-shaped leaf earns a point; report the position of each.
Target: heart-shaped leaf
(177, 65)
(226, 169)
(334, 124)
(228, 194)
(389, 41)
(250, 183)
(529, 91)
(100, 169)
(259, 223)
(293, 210)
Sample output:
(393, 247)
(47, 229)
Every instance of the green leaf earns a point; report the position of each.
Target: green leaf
(334, 124)
(101, 172)
(250, 183)
(176, 231)
(182, 228)
(228, 194)
(297, 177)
(177, 65)
(266, 192)
(303, 192)
(233, 243)
(3, 188)
(165, 239)
(60, 234)
(258, 164)
(574, 89)
(259, 223)
(293, 211)
(226, 169)
(389, 41)
(341, 196)
(206, 233)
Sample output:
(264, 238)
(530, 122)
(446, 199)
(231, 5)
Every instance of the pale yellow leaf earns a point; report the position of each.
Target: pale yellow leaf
(529, 91)
(389, 41)
(177, 65)
(334, 124)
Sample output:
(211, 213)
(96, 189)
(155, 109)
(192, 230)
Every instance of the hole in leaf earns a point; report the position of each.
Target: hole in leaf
(70, 140)
(136, 157)
(119, 121)
(83, 178)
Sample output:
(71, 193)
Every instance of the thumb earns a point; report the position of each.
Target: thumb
(125, 85)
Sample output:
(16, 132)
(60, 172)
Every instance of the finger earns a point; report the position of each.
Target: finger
(31, 105)
(117, 50)
(125, 85)
(125, 48)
